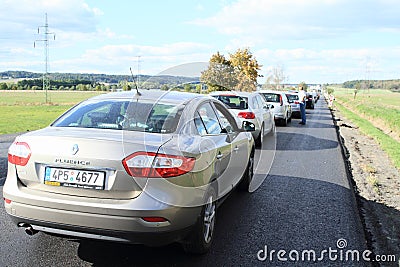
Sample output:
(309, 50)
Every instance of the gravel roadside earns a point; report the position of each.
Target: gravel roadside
(376, 182)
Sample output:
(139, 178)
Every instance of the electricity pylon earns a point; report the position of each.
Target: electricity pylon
(45, 34)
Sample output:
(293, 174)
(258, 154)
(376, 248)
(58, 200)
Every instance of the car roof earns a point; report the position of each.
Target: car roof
(271, 91)
(166, 96)
(232, 93)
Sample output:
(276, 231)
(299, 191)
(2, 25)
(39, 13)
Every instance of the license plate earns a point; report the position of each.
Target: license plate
(74, 178)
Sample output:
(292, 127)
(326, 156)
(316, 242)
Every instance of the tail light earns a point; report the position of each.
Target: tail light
(280, 100)
(19, 153)
(246, 115)
(296, 102)
(153, 165)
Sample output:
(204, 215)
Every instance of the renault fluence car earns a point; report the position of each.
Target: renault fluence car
(249, 107)
(146, 168)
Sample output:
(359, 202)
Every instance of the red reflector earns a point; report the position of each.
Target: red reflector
(154, 219)
(246, 115)
(7, 201)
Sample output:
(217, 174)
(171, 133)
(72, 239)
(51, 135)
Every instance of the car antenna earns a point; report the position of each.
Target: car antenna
(136, 86)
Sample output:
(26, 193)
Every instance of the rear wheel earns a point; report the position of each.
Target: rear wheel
(200, 239)
(284, 121)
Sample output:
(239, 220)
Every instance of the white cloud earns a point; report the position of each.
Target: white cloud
(302, 19)
(326, 65)
(118, 58)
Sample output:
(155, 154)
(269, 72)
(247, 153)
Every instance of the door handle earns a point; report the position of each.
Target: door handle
(220, 155)
(236, 149)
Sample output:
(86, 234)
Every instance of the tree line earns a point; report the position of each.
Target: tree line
(393, 85)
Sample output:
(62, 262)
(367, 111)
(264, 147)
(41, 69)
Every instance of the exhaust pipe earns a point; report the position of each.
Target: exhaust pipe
(28, 229)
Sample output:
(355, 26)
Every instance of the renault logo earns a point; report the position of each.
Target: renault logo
(74, 149)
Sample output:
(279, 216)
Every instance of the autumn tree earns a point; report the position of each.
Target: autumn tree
(247, 67)
(304, 85)
(220, 75)
(239, 72)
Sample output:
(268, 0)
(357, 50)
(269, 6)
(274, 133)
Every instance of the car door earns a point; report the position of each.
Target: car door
(239, 143)
(261, 112)
(215, 146)
(256, 108)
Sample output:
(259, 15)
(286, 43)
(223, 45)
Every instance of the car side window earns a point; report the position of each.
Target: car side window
(206, 120)
(254, 103)
(259, 101)
(226, 120)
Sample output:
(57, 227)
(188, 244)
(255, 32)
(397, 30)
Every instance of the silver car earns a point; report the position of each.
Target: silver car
(249, 107)
(146, 168)
(293, 98)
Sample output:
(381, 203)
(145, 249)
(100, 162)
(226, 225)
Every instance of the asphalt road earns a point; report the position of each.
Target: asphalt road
(305, 204)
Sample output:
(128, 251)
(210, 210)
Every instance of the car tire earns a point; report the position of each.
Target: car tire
(284, 121)
(290, 118)
(247, 175)
(260, 138)
(200, 239)
(273, 129)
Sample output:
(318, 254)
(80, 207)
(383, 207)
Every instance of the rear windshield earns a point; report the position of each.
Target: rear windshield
(272, 97)
(233, 101)
(123, 115)
(292, 98)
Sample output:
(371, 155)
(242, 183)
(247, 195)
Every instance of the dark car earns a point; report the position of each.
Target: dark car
(310, 101)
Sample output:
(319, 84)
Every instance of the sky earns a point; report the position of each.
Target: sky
(316, 41)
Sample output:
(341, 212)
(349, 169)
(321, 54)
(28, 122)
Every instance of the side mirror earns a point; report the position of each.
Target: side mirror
(248, 126)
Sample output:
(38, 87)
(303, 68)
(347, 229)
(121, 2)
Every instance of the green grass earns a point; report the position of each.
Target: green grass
(380, 105)
(388, 144)
(27, 111)
(8, 98)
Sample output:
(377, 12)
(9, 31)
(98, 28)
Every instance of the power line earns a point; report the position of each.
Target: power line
(46, 34)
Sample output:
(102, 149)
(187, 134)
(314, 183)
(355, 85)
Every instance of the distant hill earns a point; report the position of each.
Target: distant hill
(99, 78)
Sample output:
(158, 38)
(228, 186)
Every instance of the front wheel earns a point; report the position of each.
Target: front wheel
(202, 235)
(260, 138)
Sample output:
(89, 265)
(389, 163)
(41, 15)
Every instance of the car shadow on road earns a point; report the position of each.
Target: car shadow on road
(290, 141)
(3, 170)
(290, 213)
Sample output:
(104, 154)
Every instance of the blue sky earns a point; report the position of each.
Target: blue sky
(317, 41)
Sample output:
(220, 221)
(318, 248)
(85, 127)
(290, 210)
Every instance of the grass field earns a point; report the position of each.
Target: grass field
(379, 105)
(27, 110)
(367, 110)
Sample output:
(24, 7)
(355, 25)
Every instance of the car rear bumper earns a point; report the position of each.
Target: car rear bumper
(150, 238)
(279, 116)
(104, 219)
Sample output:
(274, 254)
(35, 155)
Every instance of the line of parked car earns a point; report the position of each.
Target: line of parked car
(146, 167)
